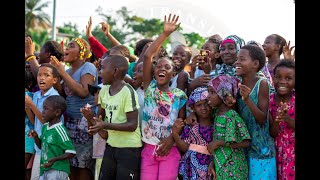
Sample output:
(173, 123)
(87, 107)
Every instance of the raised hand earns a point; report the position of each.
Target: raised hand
(29, 46)
(244, 91)
(32, 133)
(170, 25)
(89, 27)
(287, 51)
(28, 101)
(58, 64)
(105, 27)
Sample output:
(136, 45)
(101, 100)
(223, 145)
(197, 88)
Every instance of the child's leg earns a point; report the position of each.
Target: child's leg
(169, 165)
(53, 174)
(97, 169)
(149, 166)
(109, 164)
(127, 170)
(35, 172)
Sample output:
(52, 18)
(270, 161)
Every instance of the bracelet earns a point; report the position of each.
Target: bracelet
(30, 57)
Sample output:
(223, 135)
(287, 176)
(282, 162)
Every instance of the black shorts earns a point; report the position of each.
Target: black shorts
(120, 163)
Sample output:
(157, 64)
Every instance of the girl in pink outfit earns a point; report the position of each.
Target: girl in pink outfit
(282, 109)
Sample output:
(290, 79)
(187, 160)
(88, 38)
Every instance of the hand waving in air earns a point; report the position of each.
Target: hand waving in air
(287, 51)
(105, 27)
(170, 25)
(89, 28)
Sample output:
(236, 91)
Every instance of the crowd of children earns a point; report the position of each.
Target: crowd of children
(225, 113)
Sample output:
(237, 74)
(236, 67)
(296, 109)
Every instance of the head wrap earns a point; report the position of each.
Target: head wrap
(84, 48)
(198, 94)
(225, 85)
(239, 42)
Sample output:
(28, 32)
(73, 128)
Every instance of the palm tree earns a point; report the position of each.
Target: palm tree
(34, 16)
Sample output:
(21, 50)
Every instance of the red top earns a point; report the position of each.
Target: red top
(97, 48)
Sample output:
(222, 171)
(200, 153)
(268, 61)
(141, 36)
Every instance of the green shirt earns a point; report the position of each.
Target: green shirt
(55, 142)
(116, 108)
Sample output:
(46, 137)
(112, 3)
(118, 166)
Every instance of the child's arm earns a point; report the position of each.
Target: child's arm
(34, 134)
(211, 170)
(58, 86)
(34, 109)
(182, 81)
(169, 27)
(29, 50)
(202, 80)
(243, 144)
(259, 112)
(97, 48)
(30, 115)
(129, 126)
(79, 89)
(58, 158)
(182, 112)
(274, 126)
(176, 131)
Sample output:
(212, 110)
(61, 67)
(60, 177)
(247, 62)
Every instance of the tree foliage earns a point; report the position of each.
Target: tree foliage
(34, 15)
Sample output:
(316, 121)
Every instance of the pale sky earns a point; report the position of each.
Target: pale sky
(249, 19)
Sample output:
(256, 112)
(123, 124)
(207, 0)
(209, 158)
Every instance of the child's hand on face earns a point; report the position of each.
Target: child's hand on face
(194, 62)
(211, 171)
(59, 65)
(178, 126)
(33, 133)
(171, 25)
(49, 164)
(105, 27)
(244, 91)
(88, 27)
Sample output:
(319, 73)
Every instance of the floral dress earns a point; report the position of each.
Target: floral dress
(194, 165)
(230, 163)
(285, 142)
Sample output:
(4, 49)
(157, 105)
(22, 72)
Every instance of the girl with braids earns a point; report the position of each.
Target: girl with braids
(74, 86)
(273, 47)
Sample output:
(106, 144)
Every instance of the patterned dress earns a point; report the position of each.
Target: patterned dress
(261, 153)
(194, 165)
(230, 163)
(285, 142)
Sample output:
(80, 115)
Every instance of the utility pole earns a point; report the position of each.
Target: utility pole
(54, 21)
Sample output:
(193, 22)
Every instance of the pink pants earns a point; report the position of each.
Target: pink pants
(159, 168)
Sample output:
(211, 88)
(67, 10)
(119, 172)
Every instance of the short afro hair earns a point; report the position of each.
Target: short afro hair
(57, 102)
(284, 63)
(256, 53)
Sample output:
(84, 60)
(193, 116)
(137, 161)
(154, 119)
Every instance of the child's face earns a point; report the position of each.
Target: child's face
(244, 62)
(138, 75)
(284, 80)
(72, 52)
(163, 72)
(228, 53)
(269, 45)
(48, 112)
(180, 57)
(210, 47)
(202, 109)
(214, 100)
(107, 72)
(45, 78)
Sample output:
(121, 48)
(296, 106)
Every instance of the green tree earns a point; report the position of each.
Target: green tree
(194, 40)
(70, 29)
(34, 15)
(39, 37)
